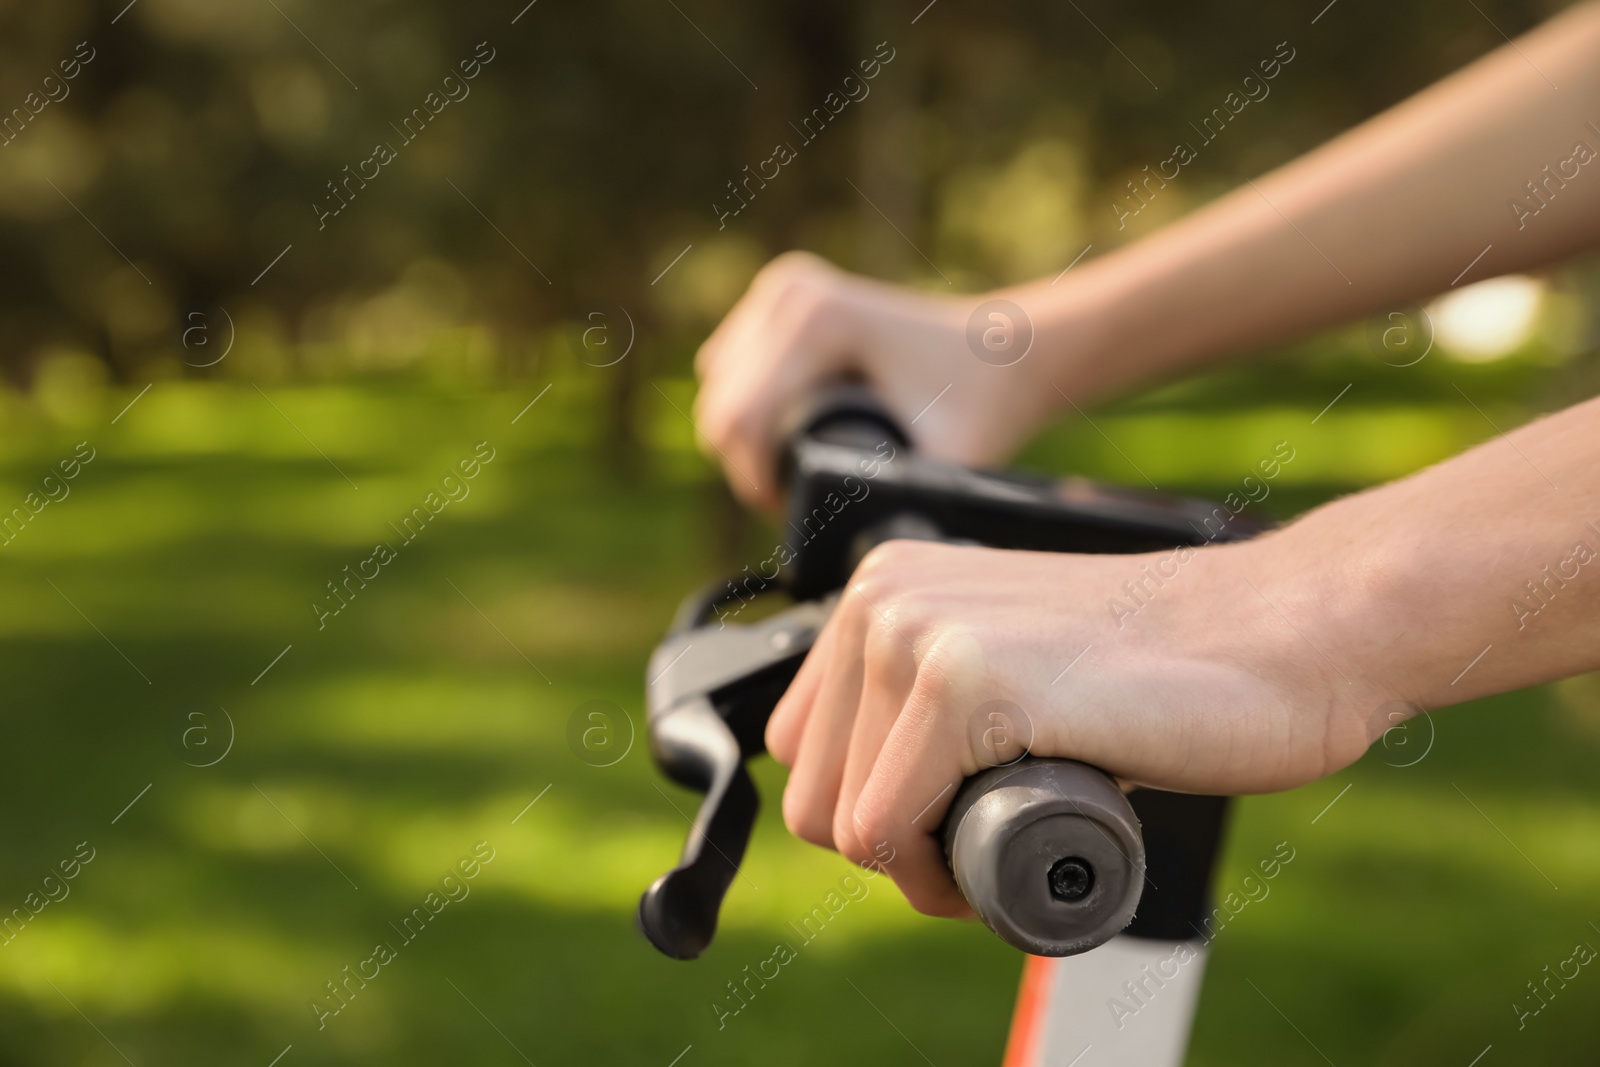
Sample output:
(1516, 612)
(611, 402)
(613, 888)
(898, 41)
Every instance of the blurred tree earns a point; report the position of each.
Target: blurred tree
(588, 152)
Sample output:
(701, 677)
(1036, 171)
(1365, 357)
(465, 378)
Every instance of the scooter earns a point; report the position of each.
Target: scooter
(1052, 855)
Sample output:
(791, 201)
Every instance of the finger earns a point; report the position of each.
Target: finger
(890, 673)
(785, 354)
(788, 720)
(713, 349)
(775, 282)
(728, 413)
(723, 411)
(812, 795)
(913, 781)
(750, 309)
(743, 416)
(922, 874)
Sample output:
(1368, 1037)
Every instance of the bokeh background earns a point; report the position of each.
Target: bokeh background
(264, 398)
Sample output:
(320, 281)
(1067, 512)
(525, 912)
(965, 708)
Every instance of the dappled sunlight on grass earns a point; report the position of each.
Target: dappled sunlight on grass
(425, 716)
(1358, 445)
(180, 956)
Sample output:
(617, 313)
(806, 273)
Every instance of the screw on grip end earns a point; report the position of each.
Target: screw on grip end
(1049, 854)
(1071, 879)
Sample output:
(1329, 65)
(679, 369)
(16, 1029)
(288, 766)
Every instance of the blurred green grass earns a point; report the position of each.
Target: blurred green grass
(376, 753)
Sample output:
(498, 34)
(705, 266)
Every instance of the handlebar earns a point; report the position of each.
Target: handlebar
(1049, 853)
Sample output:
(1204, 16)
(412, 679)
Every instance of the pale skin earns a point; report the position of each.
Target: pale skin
(1260, 666)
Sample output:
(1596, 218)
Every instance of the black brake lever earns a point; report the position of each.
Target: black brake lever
(711, 693)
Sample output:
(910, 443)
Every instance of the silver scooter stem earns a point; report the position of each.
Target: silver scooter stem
(1129, 1003)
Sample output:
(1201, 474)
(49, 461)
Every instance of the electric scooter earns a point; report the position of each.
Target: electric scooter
(1106, 891)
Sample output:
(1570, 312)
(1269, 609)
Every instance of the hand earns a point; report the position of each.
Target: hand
(804, 323)
(1205, 688)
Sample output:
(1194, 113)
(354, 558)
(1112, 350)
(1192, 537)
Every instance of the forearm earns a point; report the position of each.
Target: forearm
(1394, 210)
(1477, 576)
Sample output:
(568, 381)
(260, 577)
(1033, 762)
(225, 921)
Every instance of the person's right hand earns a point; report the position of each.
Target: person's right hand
(804, 324)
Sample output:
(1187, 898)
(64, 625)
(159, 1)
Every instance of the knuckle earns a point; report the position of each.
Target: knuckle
(800, 318)
(703, 357)
(726, 426)
(871, 588)
(710, 417)
(937, 666)
(879, 568)
(849, 843)
(940, 902)
(793, 267)
(777, 742)
(886, 579)
(886, 645)
(805, 821)
(872, 825)
(798, 293)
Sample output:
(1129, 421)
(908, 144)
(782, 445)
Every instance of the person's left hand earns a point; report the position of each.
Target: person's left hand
(1197, 685)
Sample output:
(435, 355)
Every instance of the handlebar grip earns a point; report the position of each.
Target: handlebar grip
(840, 414)
(1048, 852)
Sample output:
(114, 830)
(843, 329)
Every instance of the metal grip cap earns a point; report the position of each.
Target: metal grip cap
(1049, 854)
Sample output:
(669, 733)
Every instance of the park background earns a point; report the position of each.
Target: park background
(140, 218)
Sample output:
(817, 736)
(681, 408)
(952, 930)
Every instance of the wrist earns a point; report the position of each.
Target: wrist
(1293, 607)
(1099, 329)
(1340, 579)
(1228, 647)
